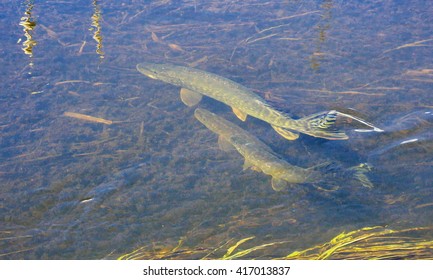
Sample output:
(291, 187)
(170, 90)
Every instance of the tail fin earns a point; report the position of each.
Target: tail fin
(332, 175)
(325, 171)
(359, 174)
(322, 125)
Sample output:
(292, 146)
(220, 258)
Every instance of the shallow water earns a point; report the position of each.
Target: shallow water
(77, 189)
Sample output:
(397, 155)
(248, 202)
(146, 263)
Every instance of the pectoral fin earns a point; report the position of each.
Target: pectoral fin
(286, 133)
(278, 184)
(241, 115)
(190, 98)
(248, 164)
(225, 145)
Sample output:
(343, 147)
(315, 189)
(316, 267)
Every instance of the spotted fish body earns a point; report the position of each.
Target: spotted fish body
(257, 154)
(243, 101)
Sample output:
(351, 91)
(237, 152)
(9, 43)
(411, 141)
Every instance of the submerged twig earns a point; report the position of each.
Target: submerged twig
(16, 252)
(262, 38)
(346, 92)
(414, 44)
(87, 118)
(253, 38)
(71, 82)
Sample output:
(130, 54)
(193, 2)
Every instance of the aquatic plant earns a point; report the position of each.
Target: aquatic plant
(362, 244)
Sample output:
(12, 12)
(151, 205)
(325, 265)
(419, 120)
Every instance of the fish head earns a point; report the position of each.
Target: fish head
(203, 115)
(208, 119)
(151, 70)
(163, 72)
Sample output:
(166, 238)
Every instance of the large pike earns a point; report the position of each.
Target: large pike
(195, 83)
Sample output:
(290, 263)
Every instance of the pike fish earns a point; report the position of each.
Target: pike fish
(258, 156)
(195, 83)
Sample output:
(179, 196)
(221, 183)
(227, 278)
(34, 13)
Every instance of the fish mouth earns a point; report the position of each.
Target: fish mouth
(148, 70)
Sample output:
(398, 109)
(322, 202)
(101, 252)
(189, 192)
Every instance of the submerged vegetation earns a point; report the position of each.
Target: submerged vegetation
(369, 243)
(372, 243)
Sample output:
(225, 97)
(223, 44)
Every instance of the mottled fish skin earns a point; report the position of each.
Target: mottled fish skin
(256, 153)
(241, 99)
(270, 163)
(226, 129)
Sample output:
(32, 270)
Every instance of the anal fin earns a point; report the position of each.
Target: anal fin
(286, 133)
(360, 175)
(241, 115)
(190, 98)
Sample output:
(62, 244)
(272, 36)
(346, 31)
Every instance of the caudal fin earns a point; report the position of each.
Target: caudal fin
(360, 174)
(331, 176)
(322, 125)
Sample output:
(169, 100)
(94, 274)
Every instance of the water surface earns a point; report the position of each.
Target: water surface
(77, 189)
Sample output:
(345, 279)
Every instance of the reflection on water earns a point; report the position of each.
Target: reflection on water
(96, 23)
(28, 23)
(322, 28)
(103, 161)
(403, 133)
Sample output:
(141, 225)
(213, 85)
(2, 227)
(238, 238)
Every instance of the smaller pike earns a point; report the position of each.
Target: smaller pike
(258, 156)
